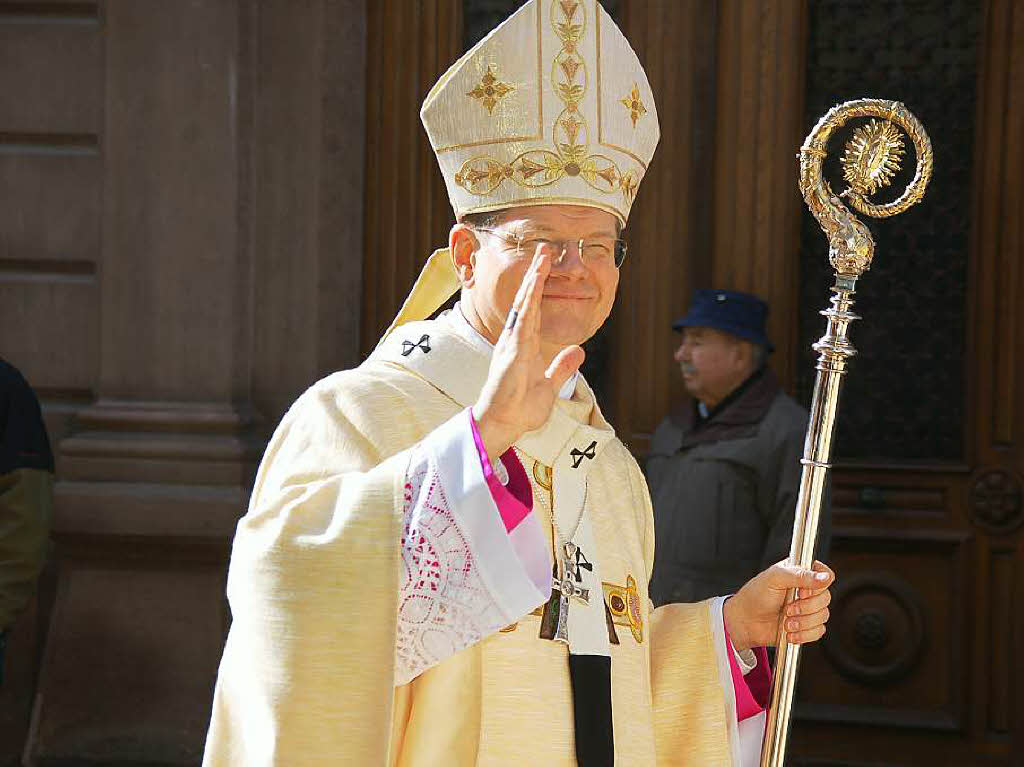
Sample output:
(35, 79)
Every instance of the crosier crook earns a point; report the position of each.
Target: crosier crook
(869, 163)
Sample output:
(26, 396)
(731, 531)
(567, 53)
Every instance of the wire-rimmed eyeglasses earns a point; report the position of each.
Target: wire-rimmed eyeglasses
(597, 251)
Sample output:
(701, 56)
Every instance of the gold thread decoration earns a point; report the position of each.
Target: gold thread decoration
(490, 90)
(633, 103)
(535, 168)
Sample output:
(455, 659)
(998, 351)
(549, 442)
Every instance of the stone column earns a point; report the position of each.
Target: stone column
(229, 281)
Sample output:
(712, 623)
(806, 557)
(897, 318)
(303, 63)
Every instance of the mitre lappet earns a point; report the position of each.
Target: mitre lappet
(551, 108)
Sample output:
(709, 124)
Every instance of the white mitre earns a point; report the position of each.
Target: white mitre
(552, 107)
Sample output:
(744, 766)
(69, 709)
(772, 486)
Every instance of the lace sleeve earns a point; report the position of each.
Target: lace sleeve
(464, 575)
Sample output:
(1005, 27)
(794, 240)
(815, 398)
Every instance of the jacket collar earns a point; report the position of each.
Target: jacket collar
(737, 415)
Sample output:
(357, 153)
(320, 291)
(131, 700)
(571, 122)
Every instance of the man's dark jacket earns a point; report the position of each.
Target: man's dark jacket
(26, 496)
(724, 490)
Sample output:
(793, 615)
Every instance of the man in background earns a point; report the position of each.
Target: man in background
(724, 470)
(26, 496)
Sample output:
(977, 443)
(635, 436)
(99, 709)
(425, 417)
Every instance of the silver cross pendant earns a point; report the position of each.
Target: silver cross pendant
(567, 587)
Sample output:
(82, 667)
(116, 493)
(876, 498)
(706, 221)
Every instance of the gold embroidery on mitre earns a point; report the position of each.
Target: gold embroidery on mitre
(633, 103)
(536, 168)
(490, 90)
(624, 604)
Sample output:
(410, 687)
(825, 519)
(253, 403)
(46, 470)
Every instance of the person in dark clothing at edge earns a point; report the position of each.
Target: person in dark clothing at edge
(26, 497)
(724, 470)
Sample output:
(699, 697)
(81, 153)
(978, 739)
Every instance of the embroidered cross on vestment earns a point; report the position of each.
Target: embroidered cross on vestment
(578, 455)
(422, 345)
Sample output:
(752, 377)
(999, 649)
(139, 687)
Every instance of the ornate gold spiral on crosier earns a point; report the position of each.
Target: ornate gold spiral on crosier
(871, 159)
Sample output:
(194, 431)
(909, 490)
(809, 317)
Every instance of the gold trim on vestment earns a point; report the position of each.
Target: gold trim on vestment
(544, 481)
(623, 603)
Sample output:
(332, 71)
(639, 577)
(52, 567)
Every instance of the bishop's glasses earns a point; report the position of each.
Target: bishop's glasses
(598, 251)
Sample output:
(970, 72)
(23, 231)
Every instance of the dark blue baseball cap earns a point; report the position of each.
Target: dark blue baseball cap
(741, 314)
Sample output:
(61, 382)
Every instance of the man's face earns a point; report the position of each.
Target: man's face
(579, 291)
(713, 363)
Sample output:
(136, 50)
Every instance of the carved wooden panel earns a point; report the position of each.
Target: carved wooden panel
(996, 339)
(895, 653)
(995, 500)
(878, 498)
(1003, 572)
(997, 365)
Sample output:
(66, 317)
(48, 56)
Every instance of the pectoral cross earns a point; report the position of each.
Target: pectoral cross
(567, 587)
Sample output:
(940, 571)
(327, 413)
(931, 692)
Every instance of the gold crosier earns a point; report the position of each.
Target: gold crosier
(870, 161)
(536, 168)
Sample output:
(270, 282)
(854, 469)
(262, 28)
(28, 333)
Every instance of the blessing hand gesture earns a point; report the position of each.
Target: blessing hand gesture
(521, 385)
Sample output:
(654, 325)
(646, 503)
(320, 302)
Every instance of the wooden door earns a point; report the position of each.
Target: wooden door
(921, 664)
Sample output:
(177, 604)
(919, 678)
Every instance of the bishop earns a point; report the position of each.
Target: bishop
(423, 528)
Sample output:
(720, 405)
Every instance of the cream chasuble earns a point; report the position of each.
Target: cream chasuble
(321, 666)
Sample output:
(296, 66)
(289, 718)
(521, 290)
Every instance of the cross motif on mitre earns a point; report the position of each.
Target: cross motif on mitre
(490, 90)
(633, 103)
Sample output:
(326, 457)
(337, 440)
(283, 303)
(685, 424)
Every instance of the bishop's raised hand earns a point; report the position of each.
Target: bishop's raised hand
(522, 385)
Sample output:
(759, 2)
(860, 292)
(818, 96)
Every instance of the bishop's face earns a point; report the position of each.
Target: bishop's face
(580, 289)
